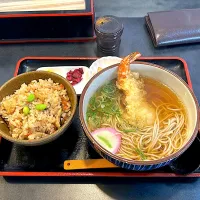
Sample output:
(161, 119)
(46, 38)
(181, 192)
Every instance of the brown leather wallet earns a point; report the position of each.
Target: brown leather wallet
(174, 27)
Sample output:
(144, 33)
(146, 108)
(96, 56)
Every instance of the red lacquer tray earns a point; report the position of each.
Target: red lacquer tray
(48, 160)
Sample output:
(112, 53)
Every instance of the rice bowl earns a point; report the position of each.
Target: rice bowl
(24, 116)
(36, 107)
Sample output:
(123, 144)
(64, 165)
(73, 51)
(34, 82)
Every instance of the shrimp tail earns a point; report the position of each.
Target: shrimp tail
(124, 67)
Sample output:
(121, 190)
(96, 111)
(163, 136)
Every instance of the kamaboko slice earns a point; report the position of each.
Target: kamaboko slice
(108, 138)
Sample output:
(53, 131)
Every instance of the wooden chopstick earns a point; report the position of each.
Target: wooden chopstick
(88, 164)
(42, 5)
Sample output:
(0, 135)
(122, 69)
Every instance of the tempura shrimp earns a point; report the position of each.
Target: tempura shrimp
(138, 111)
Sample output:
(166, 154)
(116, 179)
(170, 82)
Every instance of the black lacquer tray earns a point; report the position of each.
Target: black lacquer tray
(48, 160)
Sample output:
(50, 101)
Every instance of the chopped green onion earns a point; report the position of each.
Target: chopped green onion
(105, 103)
(140, 152)
(129, 130)
(109, 88)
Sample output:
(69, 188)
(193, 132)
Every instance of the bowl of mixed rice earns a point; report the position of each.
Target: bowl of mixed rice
(36, 108)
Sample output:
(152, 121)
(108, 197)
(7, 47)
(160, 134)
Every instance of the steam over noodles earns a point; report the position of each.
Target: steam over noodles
(154, 129)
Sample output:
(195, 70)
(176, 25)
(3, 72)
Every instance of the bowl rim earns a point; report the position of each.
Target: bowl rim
(135, 162)
(58, 132)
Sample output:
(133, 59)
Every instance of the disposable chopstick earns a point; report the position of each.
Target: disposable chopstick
(42, 5)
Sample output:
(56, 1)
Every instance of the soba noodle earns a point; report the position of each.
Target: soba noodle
(165, 137)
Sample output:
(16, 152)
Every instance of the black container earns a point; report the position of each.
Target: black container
(48, 26)
(108, 30)
(108, 43)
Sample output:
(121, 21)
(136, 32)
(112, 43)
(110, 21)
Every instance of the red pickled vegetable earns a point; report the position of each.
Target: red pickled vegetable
(75, 76)
(69, 78)
(81, 70)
